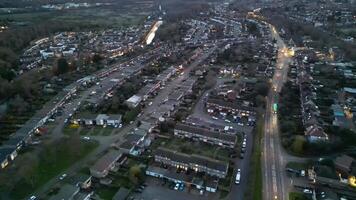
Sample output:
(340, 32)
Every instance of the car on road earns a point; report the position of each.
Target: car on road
(238, 176)
(86, 138)
(307, 191)
(32, 197)
(176, 187)
(244, 145)
(242, 155)
(62, 176)
(214, 117)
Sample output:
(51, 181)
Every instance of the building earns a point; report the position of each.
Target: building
(136, 142)
(108, 162)
(165, 75)
(210, 184)
(197, 163)
(89, 119)
(205, 135)
(133, 101)
(315, 133)
(231, 107)
(7, 154)
(343, 164)
(147, 90)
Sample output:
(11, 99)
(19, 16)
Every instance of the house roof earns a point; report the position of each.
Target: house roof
(192, 159)
(205, 132)
(344, 161)
(102, 117)
(104, 162)
(232, 105)
(316, 131)
(134, 99)
(350, 90)
(170, 173)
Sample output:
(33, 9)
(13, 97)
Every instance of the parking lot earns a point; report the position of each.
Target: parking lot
(157, 191)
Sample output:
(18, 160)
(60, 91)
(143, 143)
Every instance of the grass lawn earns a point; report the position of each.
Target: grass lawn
(297, 165)
(107, 131)
(297, 196)
(33, 171)
(70, 130)
(106, 192)
(96, 130)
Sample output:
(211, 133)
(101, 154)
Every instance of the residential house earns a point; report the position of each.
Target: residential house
(106, 163)
(197, 163)
(343, 164)
(315, 133)
(133, 101)
(221, 105)
(114, 120)
(205, 135)
(87, 119)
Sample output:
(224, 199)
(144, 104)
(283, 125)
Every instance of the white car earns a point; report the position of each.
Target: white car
(86, 138)
(62, 176)
(214, 117)
(307, 191)
(176, 187)
(32, 197)
(244, 144)
(238, 176)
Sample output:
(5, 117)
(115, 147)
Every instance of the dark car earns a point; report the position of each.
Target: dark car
(242, 155)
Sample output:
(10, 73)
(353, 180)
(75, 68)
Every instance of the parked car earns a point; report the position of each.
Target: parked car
(32, 197)
(307, 191)
(62, 176)
(242, 155)
(238, 176)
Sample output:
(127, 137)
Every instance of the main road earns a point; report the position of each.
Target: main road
(275, 182)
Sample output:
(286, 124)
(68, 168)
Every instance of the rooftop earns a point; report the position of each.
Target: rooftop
(192, 159)
(205, 132)
(104, 162)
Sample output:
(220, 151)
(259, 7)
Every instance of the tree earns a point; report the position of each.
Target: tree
(262, 89)
(288, 126)
(298, 145)
(135, 174)
(62, 66)
(97, 58)
(18, 105)
(260, 101)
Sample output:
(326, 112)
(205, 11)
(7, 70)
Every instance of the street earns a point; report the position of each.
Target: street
(274, 176)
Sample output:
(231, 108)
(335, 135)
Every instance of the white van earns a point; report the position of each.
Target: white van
(238, 176)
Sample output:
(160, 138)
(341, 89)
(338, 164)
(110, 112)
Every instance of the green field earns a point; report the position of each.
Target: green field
(95, 16)
(33, 169)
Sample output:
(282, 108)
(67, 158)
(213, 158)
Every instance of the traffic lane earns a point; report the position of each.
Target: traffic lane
(237, 191)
